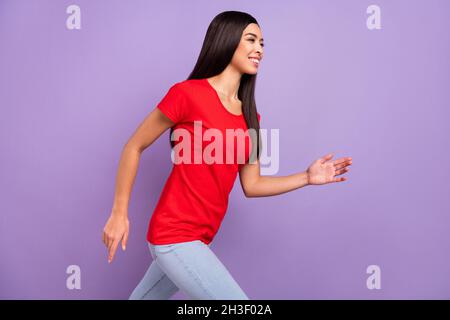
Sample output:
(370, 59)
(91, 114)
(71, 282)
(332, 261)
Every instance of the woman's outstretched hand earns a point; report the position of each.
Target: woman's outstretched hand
(116, 230)
(324, 171)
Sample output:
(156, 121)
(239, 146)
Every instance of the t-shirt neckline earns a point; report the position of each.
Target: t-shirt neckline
(220, 101)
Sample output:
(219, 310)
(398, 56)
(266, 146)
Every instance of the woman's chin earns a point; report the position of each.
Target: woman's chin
(251, 71)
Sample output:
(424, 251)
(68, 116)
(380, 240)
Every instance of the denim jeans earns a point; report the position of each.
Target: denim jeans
(190, 266)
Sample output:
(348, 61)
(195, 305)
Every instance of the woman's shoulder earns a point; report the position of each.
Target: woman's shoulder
(189, 85)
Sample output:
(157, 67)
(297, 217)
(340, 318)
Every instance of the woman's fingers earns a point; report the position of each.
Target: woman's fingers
(115, 231)
(112, 250)
(124, 241)
(340, 179)
(340, 167)
(105, 238)
(110, 243)
(325, 158)
(341, 161)
(341, 171)
(342, 164)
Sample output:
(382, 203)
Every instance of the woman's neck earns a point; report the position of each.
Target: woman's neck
(227, 83)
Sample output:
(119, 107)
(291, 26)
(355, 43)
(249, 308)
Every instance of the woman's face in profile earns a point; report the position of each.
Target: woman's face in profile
(249, 52)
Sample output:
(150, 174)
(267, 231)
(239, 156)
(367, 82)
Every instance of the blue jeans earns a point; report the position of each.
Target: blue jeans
(190, 266)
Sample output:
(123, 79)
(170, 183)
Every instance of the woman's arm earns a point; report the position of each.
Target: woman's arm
(255, 185)
(147, 132)
(321, 171)
(117, 226)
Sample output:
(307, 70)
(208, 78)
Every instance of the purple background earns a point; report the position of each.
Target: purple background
(70, 100)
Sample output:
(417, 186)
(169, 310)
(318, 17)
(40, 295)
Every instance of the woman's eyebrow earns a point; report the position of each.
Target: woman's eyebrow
(253, 35)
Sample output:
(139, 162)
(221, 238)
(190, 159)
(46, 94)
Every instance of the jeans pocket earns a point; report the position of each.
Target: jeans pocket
(152, 250)
(164, 248)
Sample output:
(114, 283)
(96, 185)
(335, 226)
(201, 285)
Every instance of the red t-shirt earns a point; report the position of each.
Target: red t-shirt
(194, 199)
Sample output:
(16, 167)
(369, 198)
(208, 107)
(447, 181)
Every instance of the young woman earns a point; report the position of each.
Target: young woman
(218, 94)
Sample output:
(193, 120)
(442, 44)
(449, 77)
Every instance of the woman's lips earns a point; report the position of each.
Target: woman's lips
(254, 61)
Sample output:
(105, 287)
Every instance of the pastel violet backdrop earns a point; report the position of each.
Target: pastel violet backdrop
(70, 99)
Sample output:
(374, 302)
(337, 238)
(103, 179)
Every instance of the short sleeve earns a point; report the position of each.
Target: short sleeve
(173, 104)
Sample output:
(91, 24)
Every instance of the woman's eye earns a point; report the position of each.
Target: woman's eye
(252, 40)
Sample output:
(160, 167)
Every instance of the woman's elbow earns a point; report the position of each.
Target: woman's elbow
(249, 193)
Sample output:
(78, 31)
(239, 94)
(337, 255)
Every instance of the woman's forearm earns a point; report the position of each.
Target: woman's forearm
(128, 166)
(271, 186)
